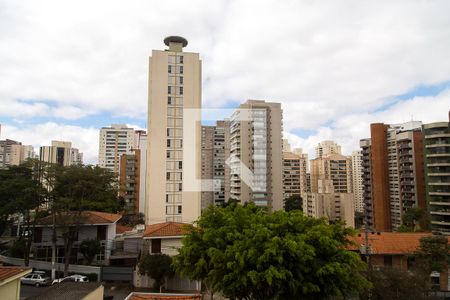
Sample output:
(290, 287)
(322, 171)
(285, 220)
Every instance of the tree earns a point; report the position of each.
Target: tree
(433, 254)
(415, 219)
(396, 284)
(89, 249)
(249, 253)
(293, 202)
(158, 267)
(75, 189)
(21, 193)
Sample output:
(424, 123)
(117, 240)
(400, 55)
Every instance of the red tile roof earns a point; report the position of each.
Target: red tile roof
(87, 218)
(167, 229)
(154, 296)
(11, 272)
(122, 228)
(390, 242)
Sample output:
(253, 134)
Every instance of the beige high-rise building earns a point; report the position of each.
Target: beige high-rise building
(295, 169)
(357, 180)
(256, 154)
(174, 151)
(332, 188)
(61, 153)
(13, 153)
(326, 148)
(114, 141)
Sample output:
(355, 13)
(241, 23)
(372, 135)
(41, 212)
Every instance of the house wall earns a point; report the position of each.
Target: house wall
(11, 290)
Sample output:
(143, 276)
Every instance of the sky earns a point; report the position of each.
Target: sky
(68, 68)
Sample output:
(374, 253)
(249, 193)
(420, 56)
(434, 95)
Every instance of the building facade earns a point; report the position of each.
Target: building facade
(174, 151)
(61, 153)
(437, 174)
(114, 141)
(357, 176)
(13, 153)
(326, 148)
(256, 165)
(393, 175)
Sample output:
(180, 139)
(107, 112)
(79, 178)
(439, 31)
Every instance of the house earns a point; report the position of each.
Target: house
(92, 225)
(165, 238)
(395, 249)
(72, 291)
(10, 281)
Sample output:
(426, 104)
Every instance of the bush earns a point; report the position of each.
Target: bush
(18, 249)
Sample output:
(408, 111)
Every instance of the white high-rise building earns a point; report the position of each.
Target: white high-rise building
(357, 180)
(115, 141)
(174, 151)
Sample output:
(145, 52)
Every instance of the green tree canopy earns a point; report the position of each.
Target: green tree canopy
(158, 267)
(89, 249)
(293, 202)
(433, 253)
(249, 253)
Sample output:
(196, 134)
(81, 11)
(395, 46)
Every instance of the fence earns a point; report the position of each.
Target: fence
(45, 265)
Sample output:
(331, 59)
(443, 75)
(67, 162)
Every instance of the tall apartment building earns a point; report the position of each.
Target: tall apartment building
(331, 193)
(61, 153)
(215, 151)
(256, 154)
(357, 175)
(437, 174)
(326, 148)
(392, 173)
(13, 153)
(114, 141)
(174, 152)
(295, 169)
(132, 176)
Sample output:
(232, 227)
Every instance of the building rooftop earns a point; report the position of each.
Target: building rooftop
(87, 218)
(8, 274)
(390, 242)
(166, 229)
(67, 291)
(175, 39)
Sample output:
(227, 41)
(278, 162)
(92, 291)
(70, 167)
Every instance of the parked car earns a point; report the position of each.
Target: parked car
(71, 278)
(36, 278)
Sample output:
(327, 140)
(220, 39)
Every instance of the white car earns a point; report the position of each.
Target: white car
(35, 278)
(71, 278)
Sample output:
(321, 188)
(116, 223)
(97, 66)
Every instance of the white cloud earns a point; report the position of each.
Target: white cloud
(326, 61)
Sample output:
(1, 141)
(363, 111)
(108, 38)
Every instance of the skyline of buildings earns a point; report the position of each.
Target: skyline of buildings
(180, 169)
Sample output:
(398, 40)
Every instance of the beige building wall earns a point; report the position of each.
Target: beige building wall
(326, 148)
(174, 86)
(258, 145)
(60, 152)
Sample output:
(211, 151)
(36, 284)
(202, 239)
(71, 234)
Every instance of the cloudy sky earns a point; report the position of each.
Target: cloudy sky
(68, 68)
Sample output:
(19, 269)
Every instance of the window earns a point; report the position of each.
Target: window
(181, 69)
(180, 187)
(169, 100)
(181, 79)
(169, 90)
(168, 154)
(168, 175)
(181, 90)
(179, 209)
(156, 245)
(170, 69)
(167, 200)
(180, 59)
(168, 143)
(180, 165)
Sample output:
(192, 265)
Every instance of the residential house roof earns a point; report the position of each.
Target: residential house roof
(67, 291)
(8, 274)
(122, 228)
(390, 242)
(166, 229)
(162, 296)
(86, 218)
